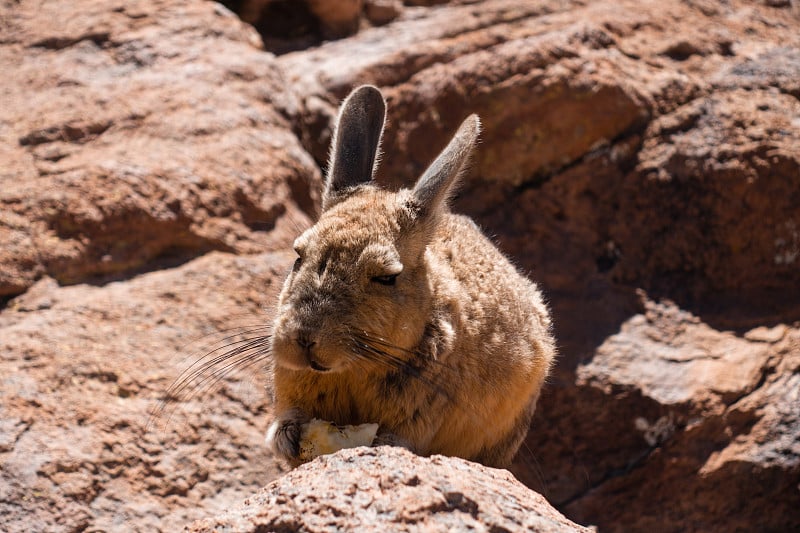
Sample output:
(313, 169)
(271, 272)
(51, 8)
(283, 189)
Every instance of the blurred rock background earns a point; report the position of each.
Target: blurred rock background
(641, 160)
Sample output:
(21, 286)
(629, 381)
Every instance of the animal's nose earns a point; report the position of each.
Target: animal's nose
(305, 342)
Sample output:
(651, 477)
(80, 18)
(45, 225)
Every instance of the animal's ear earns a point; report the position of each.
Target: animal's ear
(355, 142)
(433, 188)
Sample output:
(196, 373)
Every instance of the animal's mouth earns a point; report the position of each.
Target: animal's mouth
(317, 367)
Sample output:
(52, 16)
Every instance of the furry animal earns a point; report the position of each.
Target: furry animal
(401, 313)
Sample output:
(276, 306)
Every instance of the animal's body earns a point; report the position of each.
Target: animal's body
(400, 312)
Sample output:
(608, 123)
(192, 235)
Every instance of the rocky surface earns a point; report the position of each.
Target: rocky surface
(84, 369)
(135, 132)
(640, 159)
(402, 492)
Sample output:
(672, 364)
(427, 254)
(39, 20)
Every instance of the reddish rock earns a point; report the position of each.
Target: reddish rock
(718, 188)
(540, 75)
(723, 446)
(390, 489)
(380, 12)
(137, 132)
(83, 370)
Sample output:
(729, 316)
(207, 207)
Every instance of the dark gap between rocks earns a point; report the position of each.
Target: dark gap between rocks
(285, 25)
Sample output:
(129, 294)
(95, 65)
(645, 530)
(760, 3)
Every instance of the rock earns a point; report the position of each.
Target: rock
(140, 136)
(540, 76)
(83, 373)
(380, 12)
(773, 69)
(726, 412)
(425, 2)
(721, 173)
(337, 17)
(288, 25)
(380, 489)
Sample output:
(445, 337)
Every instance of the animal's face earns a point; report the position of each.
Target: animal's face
(358, 280)
(358, 295)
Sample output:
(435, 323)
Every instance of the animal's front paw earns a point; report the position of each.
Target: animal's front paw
(283, 438)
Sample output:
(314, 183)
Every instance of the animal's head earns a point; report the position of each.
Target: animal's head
(360, 282)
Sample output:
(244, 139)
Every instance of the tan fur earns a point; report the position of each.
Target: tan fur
(475, 332)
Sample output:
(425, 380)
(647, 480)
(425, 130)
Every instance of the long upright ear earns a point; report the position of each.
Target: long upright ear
(434, 187)
(355, 142)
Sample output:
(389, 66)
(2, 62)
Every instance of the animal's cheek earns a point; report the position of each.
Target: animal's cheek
(379, 317)
(285, 329)
(287, 314)
(286, 352)
(282, 321)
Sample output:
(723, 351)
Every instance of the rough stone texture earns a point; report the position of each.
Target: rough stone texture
(640, 159)
(539, 73)
(137, 131)
(726, 425)
(402, 492)
(84, 367)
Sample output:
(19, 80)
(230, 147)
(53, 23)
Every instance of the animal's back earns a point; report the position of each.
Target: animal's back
(502, 348)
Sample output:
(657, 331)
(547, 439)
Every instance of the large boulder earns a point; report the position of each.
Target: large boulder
(545, 77)
(138, 133)
(86, 439)
(391, 489)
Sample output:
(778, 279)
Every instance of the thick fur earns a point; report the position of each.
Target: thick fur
(402, 313)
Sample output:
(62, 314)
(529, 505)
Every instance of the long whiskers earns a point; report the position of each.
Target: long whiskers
(213, 367)
(234, 332)
(372, 348)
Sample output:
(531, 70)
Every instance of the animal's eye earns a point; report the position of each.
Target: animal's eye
(386, 280)
(297, 263)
